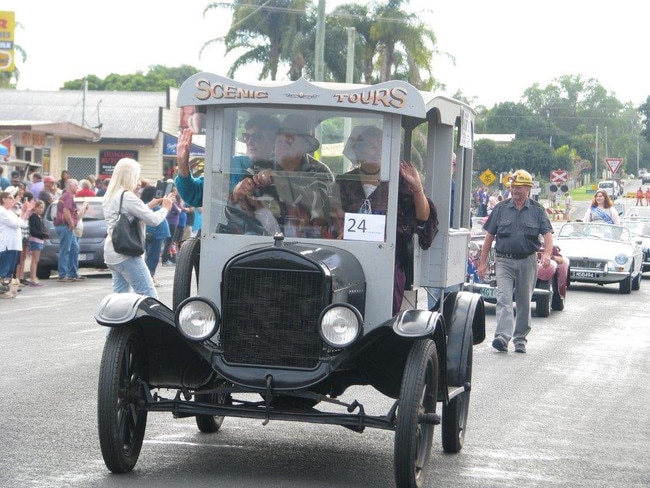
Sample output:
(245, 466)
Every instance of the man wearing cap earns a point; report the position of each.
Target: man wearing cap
(516, 225)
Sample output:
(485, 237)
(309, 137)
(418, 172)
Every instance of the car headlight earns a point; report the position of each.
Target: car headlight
(620, 259)
(340, 324)
(197, 318)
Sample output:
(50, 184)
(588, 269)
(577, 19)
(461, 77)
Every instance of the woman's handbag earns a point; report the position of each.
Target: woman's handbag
(127, 236)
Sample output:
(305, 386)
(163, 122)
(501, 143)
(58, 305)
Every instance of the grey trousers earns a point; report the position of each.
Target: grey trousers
(515, 277)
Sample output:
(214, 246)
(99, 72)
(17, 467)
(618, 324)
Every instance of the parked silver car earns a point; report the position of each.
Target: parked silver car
(91, 243)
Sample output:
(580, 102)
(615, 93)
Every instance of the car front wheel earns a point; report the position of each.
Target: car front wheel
(415, 415)
(120, 396)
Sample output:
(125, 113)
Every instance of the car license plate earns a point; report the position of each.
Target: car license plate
(84, 257)
(584, 274)
(489, 292)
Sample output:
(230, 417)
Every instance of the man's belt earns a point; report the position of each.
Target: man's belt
(513, 255)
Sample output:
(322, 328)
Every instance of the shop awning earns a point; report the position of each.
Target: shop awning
(66, 130)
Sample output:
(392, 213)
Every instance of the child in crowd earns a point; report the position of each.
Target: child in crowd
(37, 234)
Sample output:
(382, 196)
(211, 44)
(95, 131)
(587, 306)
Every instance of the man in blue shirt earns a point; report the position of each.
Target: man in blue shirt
(260, 141)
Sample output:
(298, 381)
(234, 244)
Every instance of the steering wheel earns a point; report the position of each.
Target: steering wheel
(241, 222)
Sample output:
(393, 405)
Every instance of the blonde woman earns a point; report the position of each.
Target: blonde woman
(130, 272)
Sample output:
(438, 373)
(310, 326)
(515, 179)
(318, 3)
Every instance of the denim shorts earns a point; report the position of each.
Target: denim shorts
(35, 246)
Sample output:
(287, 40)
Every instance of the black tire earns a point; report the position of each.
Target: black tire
(625, 286)
(454, 414)
(43, 273)
(121, 419)
(636, 282)
(209, 424)
(418, 396)
(543, 303)
(187, 270)
(557, 303)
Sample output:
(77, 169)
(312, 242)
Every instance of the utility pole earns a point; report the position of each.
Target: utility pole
(596, 156)
(319, 61)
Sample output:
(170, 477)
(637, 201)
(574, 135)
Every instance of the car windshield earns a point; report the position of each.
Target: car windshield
(638, 212)
(638, 227)
(302, 173)
(590, 230)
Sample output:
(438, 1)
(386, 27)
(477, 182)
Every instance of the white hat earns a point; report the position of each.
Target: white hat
(12, 190)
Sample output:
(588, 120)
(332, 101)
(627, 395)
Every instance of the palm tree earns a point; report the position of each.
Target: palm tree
(391, 43)
(270, 32)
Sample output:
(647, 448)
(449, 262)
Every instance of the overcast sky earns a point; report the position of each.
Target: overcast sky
(501, 47)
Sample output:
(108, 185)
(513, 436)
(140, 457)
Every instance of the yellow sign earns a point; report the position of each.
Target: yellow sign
(505, 179)
(7, 28)
(487, 177)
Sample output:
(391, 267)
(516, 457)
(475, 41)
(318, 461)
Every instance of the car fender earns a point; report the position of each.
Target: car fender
(465, 319)
(119, 309)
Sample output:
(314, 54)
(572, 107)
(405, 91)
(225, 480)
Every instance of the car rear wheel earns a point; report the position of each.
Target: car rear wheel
(209, 424)
(543, 303)
(557, 303)
(120, 397)
(43, 273)
(415, 415)
(454, 414)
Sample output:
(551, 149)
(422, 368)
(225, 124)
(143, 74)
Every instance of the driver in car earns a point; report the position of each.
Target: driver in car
(289, 194)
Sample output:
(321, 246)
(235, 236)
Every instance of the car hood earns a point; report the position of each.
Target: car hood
(593, 248)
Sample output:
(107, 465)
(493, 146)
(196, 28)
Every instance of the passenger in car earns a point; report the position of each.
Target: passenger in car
(601, 209)
(289, 193)
(361, 191)
(259, 139)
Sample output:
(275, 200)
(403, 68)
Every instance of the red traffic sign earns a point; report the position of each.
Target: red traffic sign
(614, 164)
(559, 176)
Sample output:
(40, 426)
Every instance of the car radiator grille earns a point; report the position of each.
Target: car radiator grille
(270, 317)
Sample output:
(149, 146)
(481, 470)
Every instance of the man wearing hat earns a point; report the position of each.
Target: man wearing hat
(516, 224)
(297, 183)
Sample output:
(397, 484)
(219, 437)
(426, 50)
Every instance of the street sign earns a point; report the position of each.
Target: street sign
(487, 177)
(614, 164)
(559, 176)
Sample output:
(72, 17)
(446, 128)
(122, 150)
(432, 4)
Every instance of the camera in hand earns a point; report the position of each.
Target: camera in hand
(163, 188)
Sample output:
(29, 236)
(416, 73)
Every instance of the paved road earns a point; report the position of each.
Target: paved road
(572, 412)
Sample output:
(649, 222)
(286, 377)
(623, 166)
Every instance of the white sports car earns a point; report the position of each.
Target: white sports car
(602, 254)
(640, 229)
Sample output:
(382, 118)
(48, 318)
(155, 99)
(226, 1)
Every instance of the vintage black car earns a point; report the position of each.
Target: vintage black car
(299, 315)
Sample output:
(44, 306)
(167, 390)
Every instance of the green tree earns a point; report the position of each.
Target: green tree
(269, 32)
(157, 78)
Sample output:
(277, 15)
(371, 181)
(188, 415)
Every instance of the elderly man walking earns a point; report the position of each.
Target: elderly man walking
(516, 224)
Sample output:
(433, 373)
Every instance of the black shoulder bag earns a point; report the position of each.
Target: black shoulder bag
(127, 236)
